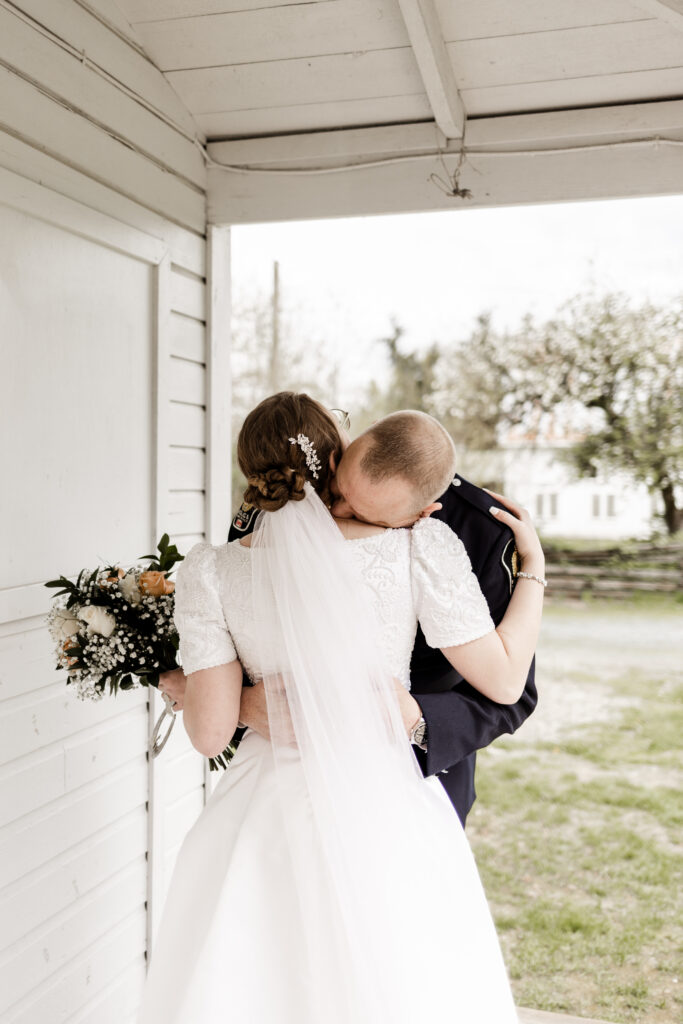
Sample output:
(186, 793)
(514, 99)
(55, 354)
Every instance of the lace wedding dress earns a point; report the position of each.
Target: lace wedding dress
(249, 928)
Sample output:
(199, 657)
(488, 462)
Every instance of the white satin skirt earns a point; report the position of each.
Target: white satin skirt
(247, 932)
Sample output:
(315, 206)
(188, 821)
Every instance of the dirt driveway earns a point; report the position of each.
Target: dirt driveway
(600, 643)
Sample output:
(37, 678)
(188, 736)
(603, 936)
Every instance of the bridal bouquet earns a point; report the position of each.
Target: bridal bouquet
(115, 628)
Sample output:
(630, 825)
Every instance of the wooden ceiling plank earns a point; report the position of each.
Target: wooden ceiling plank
(472, 20)
(152, 10)
(566, 94)
(109, 12)
(516, 65)
(670, 11)
(566, 54)
(481, 103)
(329, 79)
(310, 117)
(283, 33)
(433, 60)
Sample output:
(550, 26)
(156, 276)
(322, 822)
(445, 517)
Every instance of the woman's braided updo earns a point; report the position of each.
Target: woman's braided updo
(276, 469)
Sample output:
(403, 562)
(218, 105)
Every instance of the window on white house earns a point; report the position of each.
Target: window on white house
(596, 504)
(553, 506)
(611, 505)
(539, 505)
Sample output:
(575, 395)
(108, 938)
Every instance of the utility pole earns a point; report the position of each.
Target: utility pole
(274, 374)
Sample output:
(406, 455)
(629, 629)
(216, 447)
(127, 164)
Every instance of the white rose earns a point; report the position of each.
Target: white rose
(129, 588)
(99, 619)
(64, 624)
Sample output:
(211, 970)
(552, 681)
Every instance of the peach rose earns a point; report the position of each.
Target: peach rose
(155, 583)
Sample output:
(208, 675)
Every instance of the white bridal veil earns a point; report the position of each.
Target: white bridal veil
(394, 905)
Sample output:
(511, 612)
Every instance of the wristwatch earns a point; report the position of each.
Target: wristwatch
(418, 734)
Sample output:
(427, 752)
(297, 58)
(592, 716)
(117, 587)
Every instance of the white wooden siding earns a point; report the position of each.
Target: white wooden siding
(98, 104)
(102, 200)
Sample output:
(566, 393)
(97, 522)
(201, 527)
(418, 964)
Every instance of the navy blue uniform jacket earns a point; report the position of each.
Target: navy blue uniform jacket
(460, 720)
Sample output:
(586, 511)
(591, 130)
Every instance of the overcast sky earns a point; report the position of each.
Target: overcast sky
(434, 272)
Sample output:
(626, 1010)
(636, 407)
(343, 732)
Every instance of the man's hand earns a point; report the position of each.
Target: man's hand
(411, 712)
(253, 707)
(254, 712)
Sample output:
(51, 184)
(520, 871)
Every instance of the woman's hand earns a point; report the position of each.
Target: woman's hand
(173, 684)
(526, 539)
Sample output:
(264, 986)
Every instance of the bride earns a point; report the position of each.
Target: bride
(326, 881)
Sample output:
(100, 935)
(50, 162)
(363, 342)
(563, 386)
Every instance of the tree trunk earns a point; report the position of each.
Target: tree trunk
(673, 517)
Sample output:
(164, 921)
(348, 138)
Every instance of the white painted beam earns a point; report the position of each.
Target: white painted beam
(562, 128)
(429, 47)
(609, 152)
(341, 146)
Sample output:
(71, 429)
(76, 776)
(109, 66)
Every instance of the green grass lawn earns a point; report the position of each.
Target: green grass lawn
(578, 827)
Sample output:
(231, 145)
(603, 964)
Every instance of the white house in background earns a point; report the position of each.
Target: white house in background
(535, 472)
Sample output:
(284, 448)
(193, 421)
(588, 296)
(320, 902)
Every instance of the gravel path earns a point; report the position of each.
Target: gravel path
(580, 651)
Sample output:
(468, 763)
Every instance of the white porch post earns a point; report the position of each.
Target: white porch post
(218, 385)
(218, 403)
(155, 704)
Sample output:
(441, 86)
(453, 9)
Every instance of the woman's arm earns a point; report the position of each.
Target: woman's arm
(211, 707)
(498, 664)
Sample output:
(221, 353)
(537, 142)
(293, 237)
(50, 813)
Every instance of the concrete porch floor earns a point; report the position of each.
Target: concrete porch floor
(542, 1017)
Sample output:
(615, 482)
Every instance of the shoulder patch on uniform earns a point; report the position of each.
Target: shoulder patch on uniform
(242, 520)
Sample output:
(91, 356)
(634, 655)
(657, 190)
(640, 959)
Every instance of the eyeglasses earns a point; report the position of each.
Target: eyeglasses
(343, 417)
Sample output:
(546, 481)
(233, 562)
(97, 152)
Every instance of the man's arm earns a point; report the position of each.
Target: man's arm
(462, 720)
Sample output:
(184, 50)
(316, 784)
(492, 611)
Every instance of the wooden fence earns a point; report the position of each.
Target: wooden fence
(615, 572)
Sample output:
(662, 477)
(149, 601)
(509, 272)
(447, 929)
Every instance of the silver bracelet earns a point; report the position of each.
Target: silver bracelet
(530, 576)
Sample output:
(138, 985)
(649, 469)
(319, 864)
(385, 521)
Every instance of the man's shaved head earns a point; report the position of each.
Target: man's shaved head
(393, 473)
(414, 446)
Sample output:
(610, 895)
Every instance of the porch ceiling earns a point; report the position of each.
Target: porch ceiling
(258, 69)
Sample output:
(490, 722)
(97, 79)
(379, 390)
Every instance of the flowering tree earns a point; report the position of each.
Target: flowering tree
(622, 366)
(624, 363)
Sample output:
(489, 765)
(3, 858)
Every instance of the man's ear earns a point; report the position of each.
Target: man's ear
(434, 507)
(333, 463)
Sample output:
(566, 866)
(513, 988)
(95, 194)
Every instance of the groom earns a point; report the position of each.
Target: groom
(447, 719)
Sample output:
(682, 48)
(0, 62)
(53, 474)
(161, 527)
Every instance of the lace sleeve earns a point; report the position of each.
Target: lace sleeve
(204, 640)
(448, 600)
